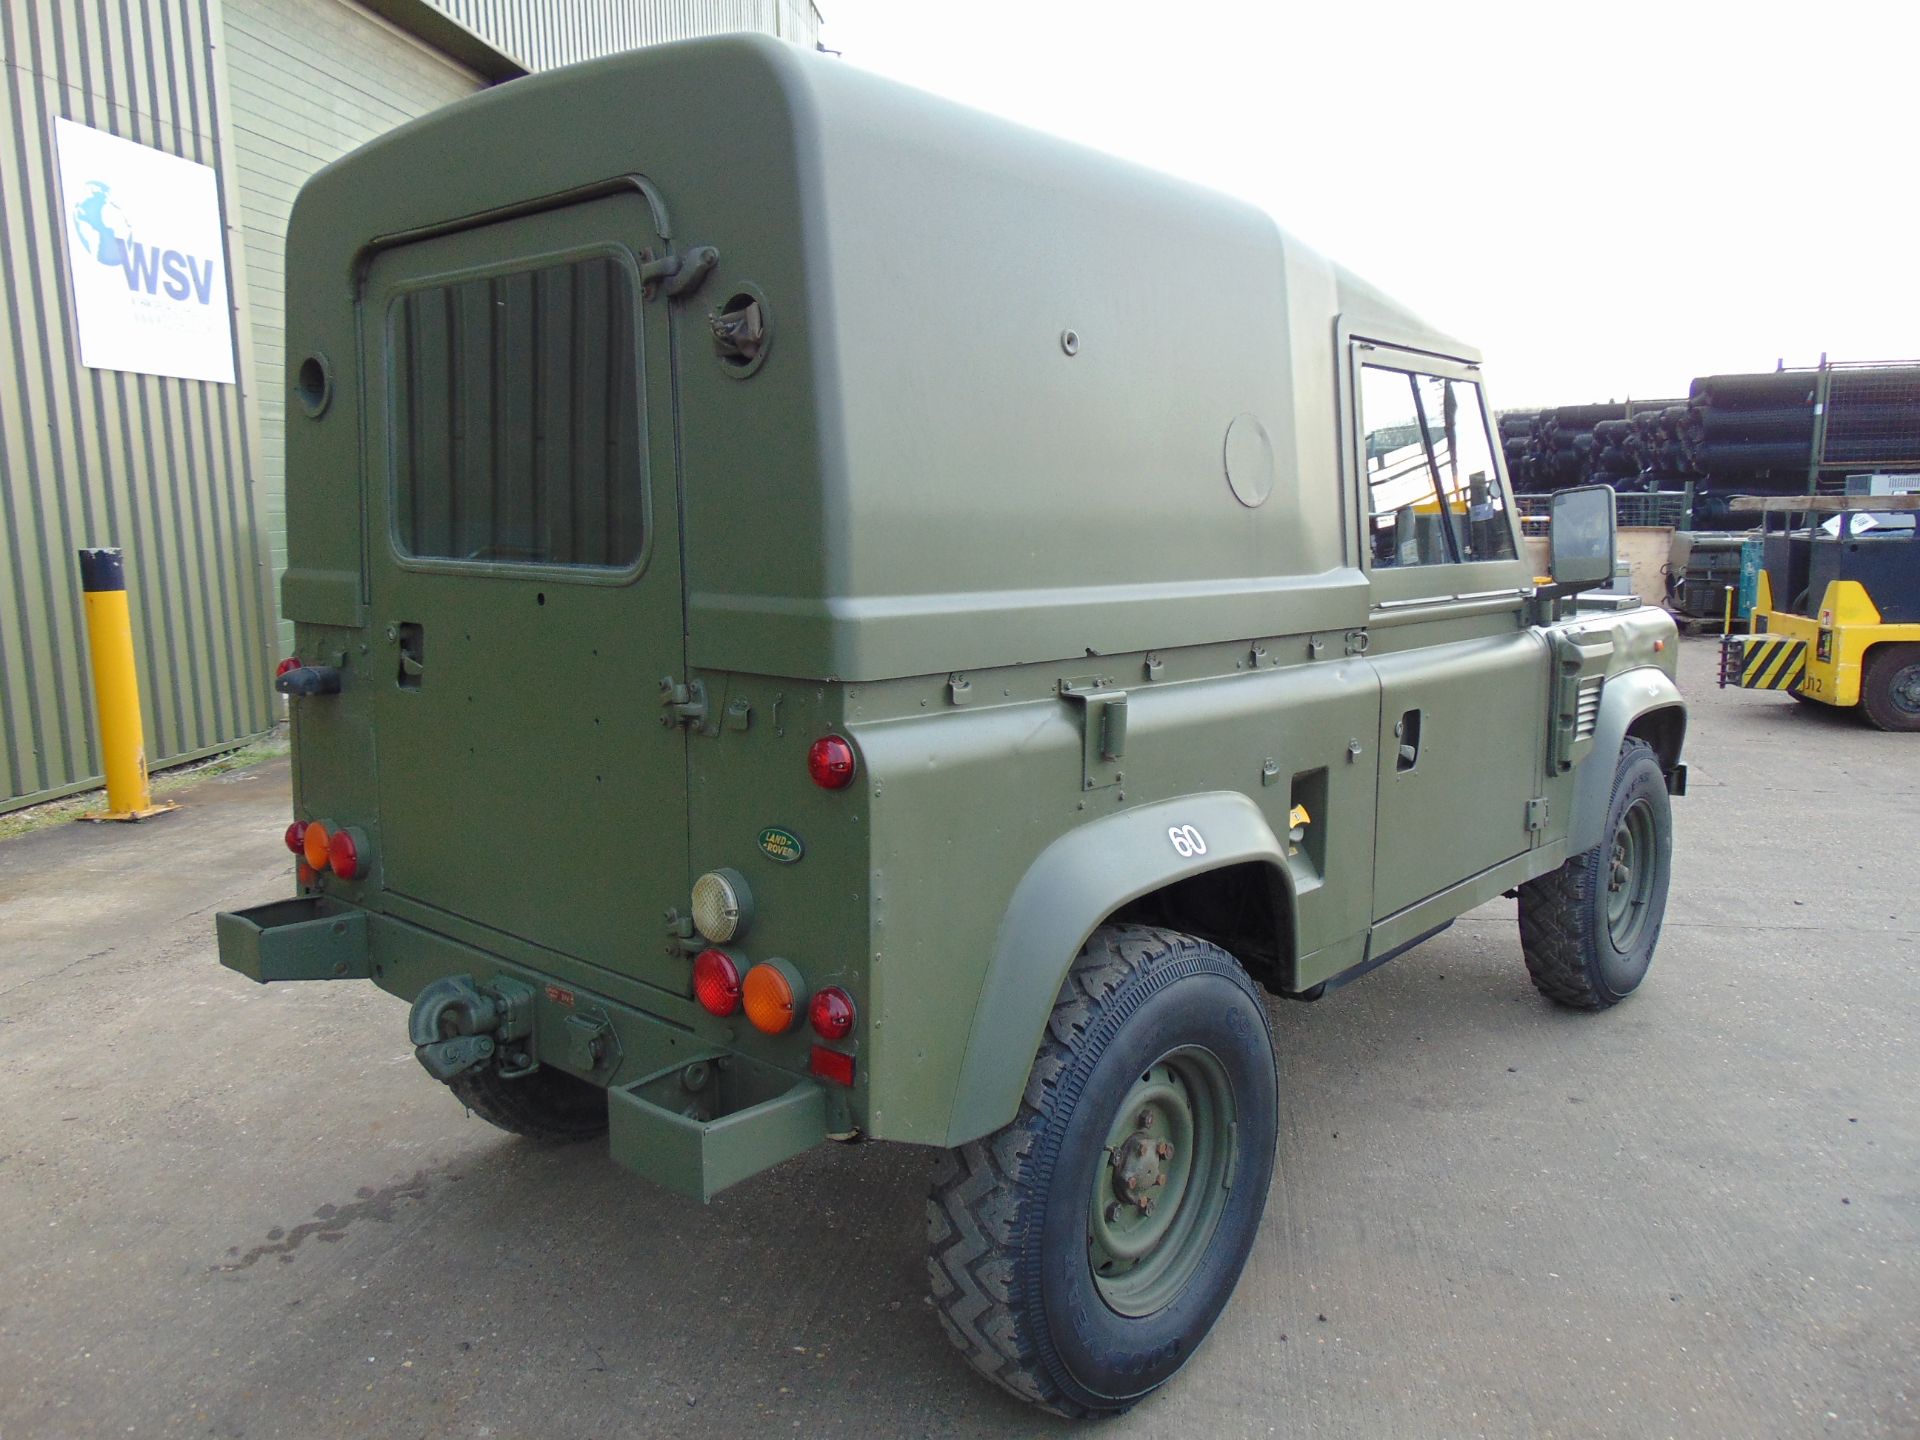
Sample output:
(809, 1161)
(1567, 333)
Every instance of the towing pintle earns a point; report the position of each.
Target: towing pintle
(457, 1025)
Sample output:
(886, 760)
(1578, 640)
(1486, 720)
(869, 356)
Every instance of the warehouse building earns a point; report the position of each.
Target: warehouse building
(152, 152)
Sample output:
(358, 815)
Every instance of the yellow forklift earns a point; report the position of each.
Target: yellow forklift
(1836, 620)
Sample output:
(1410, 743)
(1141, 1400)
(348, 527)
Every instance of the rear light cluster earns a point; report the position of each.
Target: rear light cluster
(343, 851)
(772, 993)
(292, 662)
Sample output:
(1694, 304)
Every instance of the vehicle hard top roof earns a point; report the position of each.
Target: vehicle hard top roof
(993, 423)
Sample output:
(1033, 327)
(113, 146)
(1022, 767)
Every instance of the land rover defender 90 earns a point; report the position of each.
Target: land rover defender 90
(823, 613)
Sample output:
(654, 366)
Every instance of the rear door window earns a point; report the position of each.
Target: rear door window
(517, 424)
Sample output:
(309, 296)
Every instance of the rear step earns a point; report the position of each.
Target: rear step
(705, 1124)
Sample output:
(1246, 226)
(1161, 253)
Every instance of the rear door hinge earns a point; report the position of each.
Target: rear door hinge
(683, 704)
(1537, 814)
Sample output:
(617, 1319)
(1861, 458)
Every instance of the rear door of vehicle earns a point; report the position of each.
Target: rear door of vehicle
(524, 562)
(1462, 678)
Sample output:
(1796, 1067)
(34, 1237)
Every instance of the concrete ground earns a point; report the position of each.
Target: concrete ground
(234, 1210)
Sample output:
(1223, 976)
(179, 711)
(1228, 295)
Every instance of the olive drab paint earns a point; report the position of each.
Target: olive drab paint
(817, 406)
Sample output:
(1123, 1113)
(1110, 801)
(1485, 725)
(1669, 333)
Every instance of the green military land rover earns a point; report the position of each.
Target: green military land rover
(822, 614)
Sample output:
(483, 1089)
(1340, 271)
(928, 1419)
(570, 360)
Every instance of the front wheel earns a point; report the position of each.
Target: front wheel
(1079, 1255)
(1587, 930)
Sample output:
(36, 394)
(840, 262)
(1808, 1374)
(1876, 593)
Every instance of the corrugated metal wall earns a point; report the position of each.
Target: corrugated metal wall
(163, 468)
(308, 81)
(542, 34)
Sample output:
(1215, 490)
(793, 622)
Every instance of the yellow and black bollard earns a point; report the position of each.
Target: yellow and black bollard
(116, 688)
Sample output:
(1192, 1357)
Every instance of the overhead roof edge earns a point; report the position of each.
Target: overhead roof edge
(447, 35)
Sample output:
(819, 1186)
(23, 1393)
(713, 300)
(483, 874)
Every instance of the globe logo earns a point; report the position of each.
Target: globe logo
(103, 229)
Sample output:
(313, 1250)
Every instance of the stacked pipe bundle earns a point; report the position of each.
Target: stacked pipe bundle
(1517, 429)
(1641, 445)
(1750, 435)
(1665, 446)
(1733, 435)
(1754, 430)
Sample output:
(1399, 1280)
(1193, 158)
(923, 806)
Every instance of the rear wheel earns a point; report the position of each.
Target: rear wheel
(1890, 687)
(548, 1104)
(1588, 929)
(1079, 1255)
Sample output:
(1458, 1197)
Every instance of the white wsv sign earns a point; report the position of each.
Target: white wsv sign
(146, 256)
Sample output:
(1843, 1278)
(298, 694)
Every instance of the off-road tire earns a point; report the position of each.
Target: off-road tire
(1565, 936)
(1888, 667)
(1009, 1218)
(549, 1105)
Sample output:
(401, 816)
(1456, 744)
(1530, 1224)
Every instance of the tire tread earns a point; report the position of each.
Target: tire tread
(1555, 911)
(979, 1190)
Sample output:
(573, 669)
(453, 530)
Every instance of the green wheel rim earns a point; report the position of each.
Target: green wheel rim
(1630, 876)
(1161, 1183)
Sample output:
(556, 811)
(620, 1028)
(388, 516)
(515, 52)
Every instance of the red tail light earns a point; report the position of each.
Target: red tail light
(831, 1065)
(343, 853)
(716, 982)
(296, 837)
(830, 762)
(831, 1013)
(292, 662)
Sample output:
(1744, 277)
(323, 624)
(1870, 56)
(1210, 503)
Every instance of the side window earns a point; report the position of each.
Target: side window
(517, 419)
(1433, 494)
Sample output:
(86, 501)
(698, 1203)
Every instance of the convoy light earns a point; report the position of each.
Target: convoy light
(716, 982)
(830, 762)
(831, 1013)
(315, 843)
(296, 837)
(772, 992)
(344, 851)
(722, 905)
(831, 1065)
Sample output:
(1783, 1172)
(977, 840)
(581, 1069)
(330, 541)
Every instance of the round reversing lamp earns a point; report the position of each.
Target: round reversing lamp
(722, 905)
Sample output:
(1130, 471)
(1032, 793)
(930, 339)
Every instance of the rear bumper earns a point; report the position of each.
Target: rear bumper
(683, 1112)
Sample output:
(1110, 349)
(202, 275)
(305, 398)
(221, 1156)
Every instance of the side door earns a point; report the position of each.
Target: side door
(524, 575)
(1461, 675)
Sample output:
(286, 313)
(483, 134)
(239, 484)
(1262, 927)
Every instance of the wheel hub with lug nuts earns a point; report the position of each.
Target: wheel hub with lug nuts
(1139, 1166)
(1160, 1190)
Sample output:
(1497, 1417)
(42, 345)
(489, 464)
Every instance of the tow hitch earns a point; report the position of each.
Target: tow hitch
(457, 1025)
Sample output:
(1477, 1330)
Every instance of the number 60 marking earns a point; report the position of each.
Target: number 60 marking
(1186, 840)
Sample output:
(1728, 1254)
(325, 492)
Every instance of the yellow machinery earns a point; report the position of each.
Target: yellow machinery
(1837, 618)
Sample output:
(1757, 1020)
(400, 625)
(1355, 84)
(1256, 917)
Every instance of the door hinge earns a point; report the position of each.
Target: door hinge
(1537, 814)
(683, 704)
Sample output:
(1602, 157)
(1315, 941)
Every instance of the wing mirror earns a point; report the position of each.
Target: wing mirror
(1580, 537)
